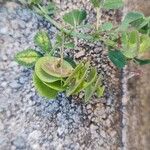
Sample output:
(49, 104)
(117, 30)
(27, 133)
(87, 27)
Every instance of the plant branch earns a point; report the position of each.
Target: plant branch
(77, 34)
(97, 17)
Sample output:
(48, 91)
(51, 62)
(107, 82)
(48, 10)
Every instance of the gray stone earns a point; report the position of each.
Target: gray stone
(35, 135)
(3, 30)
(4, 84)
(14, 84)
(22, 24)
(19, 142)
(80, 54)
(22, 80)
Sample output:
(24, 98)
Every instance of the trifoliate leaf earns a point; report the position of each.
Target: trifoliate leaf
(107, 26)
(75, 17)
(117, 58)
(142, 62)
(42, 89)
(53, 67)
(43, 41)
(42, 74)
(27, 57)
(112, 4)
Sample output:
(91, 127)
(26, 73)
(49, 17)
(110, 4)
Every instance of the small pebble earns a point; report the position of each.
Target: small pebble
(19, 142)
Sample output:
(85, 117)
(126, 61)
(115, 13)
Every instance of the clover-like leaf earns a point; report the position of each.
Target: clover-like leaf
(53, 67)
(42, 89)
(75, 17)
(45, 77)
(117, 58)
(112, 4)
(27, 57)
(43, 41)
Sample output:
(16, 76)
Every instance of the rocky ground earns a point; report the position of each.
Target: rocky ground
(30, 122)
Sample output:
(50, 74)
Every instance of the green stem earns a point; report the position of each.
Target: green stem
(62, 50)
(76, 34)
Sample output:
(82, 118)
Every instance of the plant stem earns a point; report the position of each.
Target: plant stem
(62, 49)
(97, 17)
(84, 36)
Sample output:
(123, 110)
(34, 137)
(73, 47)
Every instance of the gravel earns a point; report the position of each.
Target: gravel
(28, 121)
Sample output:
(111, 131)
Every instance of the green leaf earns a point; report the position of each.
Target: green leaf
(70, 61)
(140, 23)
(50, 9)
(75, 17)
(112, 4)
(42, 74)
(79, 67)
(53, 67)
(96, 3)
(144, 43)
(91, 77)
(27, 57)
(100, 91)
(131, 17)
(43, 41)
(142, 62)
(58, 86)
(77, 82)
(130, 43)
(117, 58)
(42, 89)
(91, 89)
(107, 26)
(82, 36)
